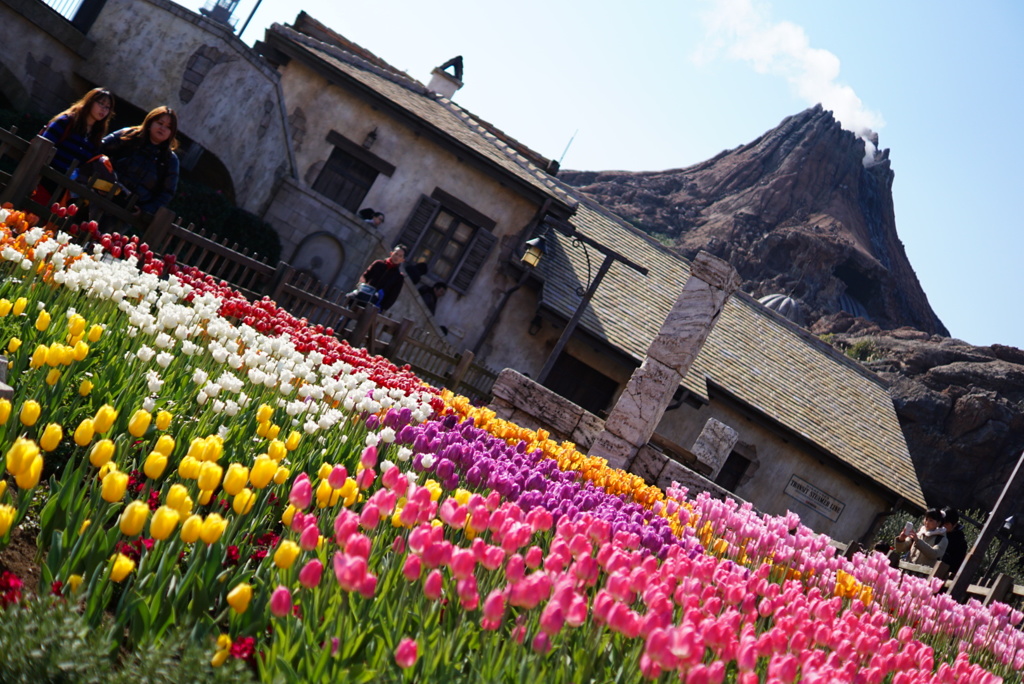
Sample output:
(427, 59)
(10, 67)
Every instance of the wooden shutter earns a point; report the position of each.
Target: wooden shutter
(416, 225)
(476, 255)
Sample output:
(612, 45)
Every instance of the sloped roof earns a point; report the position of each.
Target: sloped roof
(446, 117)
(755, 354)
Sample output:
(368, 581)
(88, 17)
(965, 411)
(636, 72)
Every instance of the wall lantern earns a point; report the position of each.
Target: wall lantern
(371, 138)
(535, 249)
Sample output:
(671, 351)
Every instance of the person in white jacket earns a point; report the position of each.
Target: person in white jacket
(928, 544)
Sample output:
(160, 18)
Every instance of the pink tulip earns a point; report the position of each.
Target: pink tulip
(358, 545)
(350, 571)
(309, 538)
(302, 492)
(494, 605)
(368, 587)
(369, 457)
(462, 563)
(337, 477)
(433, 585)
(405, 654)
(552, 618)
(311, 573)
(467, 592)
(412, 567)
(365, 478)
(541, 643)
(370, 517)
(281, 602)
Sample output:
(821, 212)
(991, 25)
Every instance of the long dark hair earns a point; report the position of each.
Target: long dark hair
(141, 132)
(78, 113)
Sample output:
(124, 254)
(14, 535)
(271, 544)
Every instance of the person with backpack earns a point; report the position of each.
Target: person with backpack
(143, 157)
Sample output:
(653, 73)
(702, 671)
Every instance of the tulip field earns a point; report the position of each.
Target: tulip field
(187, 461)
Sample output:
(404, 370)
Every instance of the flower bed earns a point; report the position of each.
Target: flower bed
(196, 461)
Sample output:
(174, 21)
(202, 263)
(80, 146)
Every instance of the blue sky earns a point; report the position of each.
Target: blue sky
(657, 85)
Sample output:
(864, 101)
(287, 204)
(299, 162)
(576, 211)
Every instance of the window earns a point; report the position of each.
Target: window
(451, 238)
(349, 172)
(732, 472)
(581, 384)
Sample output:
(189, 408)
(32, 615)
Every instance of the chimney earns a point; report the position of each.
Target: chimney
(444, 83)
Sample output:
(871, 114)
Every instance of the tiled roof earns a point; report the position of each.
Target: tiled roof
(439, 112)
(756, 355)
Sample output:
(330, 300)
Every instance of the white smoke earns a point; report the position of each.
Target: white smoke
(745, 31)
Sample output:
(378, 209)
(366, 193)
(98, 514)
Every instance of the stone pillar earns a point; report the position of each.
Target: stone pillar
(640, 407)
(714, 445)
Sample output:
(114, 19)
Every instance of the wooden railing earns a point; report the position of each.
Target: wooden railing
(300, 294)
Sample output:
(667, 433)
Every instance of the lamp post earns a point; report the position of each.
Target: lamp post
(535, 250)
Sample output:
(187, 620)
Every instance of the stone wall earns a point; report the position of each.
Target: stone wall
(519, 399)
(40, 54)
(155, 52)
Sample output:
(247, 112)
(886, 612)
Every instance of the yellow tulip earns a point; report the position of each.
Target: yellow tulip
(349, 490)
(53, 355)
(287, 552)
(139, 423)
(80, 350)
(67, 354)
(5, 307)
(220, 657)
(177, 497)
(273, 431)
(29, 478)
(164, 445)
(85, 388)
(262, 429)
(292, 443)
(51, 437)
(264, 413)
(3, 488)
(105, 469)
(288, 514)
(39, 356)
(163, 421)
(239, 597)
(235, 479)
(205, 497)
(19, 305)
(191, 528)
(133, 517)
(209, 476)
(52, 377)
(196, 449)
(120, 567)
(154, 465)
(277, 450)
(7, 514)
(263, 470)
(189, 468)
(213, 528)
(281, 476)
(163, 523)
(325, 496)
(75, 581)
(101, 453)
(84, 432)
(105, 417)
(14, 345)
(243, 501)
(5, 411)
(114, 486)
(214, 448)
(43, 321)
(84, 526)
(76, 325)
(30, 411)
(94, 333)
(325, 471)
(20, 455)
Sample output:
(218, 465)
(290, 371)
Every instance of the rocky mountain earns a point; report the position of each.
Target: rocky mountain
(806, 211)
(797, 212)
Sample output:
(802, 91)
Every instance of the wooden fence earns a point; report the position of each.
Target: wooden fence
(299, 293)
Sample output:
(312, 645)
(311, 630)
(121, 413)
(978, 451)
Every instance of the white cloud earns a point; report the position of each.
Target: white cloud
(743, 30)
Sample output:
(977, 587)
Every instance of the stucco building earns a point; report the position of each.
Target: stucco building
(320, 128)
